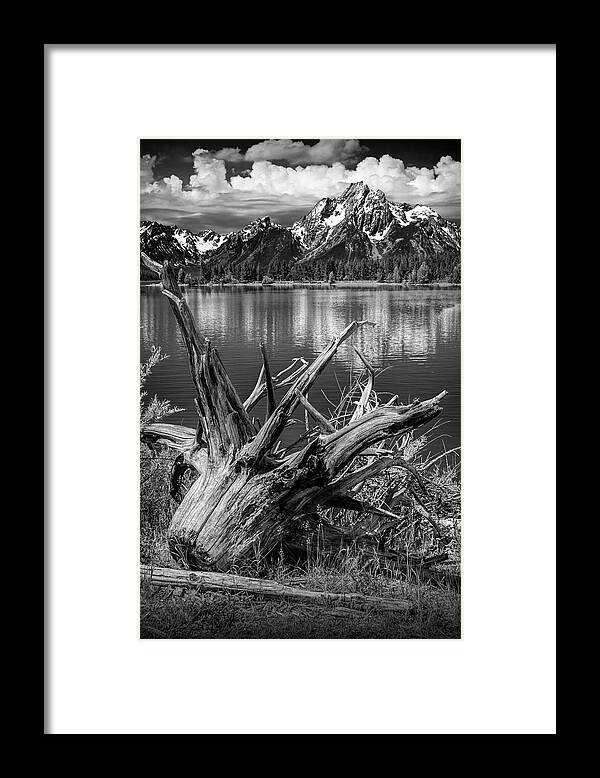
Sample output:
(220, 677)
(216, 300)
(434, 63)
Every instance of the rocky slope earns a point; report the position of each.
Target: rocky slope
(358, 235)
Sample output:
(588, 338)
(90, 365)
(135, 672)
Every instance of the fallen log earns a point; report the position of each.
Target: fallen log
(203, 581)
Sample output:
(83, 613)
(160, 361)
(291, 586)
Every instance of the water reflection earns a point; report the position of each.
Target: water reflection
(417, 337)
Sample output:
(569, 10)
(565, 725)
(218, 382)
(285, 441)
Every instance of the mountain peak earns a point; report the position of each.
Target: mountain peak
(356, 188)
(360, 232)
(262, 221)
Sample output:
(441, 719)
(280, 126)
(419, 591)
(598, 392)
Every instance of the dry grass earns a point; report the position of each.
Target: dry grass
(185, 614)
(155, 506)
(166, 613)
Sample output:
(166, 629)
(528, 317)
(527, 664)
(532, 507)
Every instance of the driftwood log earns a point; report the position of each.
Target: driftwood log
(206, 582)
(251, 497)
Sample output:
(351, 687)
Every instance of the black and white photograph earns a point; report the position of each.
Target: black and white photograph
(300, 388)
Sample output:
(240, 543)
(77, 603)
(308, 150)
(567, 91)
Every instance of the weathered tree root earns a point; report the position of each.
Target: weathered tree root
(250, 497)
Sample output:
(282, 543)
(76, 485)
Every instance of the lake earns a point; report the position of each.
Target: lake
(417, 340)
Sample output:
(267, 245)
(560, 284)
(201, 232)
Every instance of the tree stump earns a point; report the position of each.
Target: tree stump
(250, 498)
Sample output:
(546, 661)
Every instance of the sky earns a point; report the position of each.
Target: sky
(221, 185)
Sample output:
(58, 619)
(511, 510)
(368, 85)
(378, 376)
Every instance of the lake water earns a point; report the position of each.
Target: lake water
(417, 338)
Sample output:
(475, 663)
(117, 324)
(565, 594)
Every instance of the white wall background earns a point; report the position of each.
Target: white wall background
(499, 678)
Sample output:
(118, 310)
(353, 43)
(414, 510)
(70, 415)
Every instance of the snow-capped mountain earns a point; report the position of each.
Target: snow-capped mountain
(364, 221)
(174, 243)
(358, 235)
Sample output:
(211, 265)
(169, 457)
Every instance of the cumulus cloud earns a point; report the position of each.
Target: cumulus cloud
(147, 163)
(324, 152)
(296, 152)
(173, 185)
(397, 181)
(206, 182)
(209, 173)
(387, 173)
(268, 178)
(269, 188)
(229, 154)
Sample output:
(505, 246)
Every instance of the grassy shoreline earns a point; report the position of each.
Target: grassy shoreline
(186, 614)
(369, 284)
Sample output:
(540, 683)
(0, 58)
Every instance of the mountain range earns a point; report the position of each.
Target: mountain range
(356, 236)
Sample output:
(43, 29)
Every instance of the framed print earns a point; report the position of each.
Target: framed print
(296, 296)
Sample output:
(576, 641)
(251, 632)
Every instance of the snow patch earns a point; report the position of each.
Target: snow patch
(411, 214)
(298, 231)
(204, 244)
(419, 212)
(336, 217)
(207, 241)
(380, 235)
(181, 238)
(252, 229)
(398, 213)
